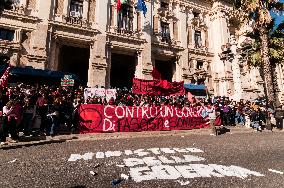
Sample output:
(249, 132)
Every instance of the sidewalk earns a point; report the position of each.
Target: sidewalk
(41, 140)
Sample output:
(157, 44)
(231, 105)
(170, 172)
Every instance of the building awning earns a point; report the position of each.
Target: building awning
(29, 71)
(194, 87)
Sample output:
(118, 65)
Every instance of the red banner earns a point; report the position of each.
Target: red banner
(4, 78)
(99, 118)
(157, 87)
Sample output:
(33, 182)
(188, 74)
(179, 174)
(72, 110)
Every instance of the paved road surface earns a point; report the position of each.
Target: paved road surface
(230, 160)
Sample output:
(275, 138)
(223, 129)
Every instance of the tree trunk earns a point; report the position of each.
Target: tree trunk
(266, 66)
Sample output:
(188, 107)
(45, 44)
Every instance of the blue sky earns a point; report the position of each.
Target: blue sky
(279, 18)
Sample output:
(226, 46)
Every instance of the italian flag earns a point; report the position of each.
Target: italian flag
(119, 3)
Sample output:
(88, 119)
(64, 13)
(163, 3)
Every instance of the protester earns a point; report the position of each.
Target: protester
(57, 107)
(9, 122)
(29, 112)
(279, 115)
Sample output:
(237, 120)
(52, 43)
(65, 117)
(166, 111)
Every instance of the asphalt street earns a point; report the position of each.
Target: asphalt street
(230, 160)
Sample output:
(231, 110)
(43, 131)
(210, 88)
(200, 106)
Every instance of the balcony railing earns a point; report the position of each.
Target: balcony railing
(165, 12)
(123, 32)
(165, 37)
(18, 9)
(7, 46)
(76, 21)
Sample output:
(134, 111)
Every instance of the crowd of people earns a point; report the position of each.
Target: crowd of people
(42, 110)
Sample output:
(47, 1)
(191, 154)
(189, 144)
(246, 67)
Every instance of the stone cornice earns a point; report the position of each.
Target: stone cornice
(200, 52)
(191, 5)
(168, 46)
(73, 27)
(9, 47)
(19, 16)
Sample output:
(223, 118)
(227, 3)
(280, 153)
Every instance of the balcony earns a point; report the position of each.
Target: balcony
(123, 38)
(198, 22)
(166, 13)
(199, 49)
(164, 40)
(124, 33)
(203, 72)
(19, 12)
(8, 47)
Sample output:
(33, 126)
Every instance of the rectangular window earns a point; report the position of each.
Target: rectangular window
(199, 65)
(76, 8)
(196, 14)
(165, 28)
(164, 5)
(197, 39)
(6, 34)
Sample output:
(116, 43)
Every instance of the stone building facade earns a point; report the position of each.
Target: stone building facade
(183, 39)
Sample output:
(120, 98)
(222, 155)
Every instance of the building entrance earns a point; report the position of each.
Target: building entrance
(166, 69)
(122, 70)
(76, 61)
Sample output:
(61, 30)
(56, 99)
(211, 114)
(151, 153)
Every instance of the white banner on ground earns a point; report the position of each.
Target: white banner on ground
(99, 92)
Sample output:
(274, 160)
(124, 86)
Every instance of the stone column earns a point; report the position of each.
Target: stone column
(45, 9)
(54, 55)
(236, 75)
(32, 4)
(85, 9)
(40, 36)
(59, 7)
(92, 10)
(176, 21)
(66, 7)
(147, 50)
(219, 34)
(156, 24)
(18, 35)
(139, 65)
(206, 39)
(175, 27)
(97, 73)
(23, 2)
(113, 18)
(189, 16)
(108, 69)
(178, 68)
(139, 25)
(194, 64)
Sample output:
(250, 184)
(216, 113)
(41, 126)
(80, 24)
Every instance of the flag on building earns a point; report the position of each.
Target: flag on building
(4, 78)
(119, 3)
(141, 6)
